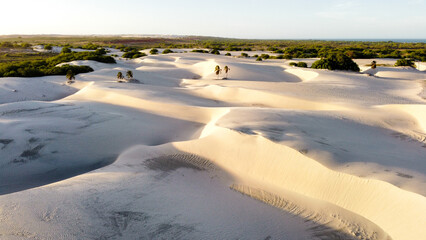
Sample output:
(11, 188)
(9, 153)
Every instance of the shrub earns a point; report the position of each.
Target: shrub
(133, 54)
(199, 51)
(247, 49)
(90, 46)
(100, 51)
(166, 51)
(215, 51)
(244, 55)
(293, 64)
(337, 61)
(66, 50)
(258, 59)
(373, 64)
(302, 64)
(153, 51)
(228, 54)
(46, 67)
(233, 49)
(264, 56)
(48, 47)
(404, 62)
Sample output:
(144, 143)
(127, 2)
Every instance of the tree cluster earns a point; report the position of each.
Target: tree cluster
(337, 61)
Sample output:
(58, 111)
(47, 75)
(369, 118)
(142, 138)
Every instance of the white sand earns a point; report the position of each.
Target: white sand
(333, 154)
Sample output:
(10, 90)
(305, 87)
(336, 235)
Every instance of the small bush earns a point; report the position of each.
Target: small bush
(100, 51)
(228, 54)
(200, 51)
(66, 50)
(302, 64)
(294, 64)
(259, 59)
(215, 51)
(404, 62)
(133, 54)
(244, 55)
(153, 51)
(48, 47)
(166, 51)
(264, 56)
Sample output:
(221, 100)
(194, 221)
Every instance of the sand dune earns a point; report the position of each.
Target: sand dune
(186, 154)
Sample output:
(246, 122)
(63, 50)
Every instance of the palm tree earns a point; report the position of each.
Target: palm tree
(70, 76)
(217, 70)
(120, 75)
(129, 74)
(227, 69)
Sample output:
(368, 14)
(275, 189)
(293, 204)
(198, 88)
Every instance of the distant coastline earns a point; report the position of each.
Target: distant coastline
(399, 40)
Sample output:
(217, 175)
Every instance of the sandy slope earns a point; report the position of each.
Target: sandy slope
(334, 155)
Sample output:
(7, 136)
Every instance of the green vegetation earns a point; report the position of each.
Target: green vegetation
(14, 45)
(299, 64)
(337, 61)
(259, 59)
(47, 47)
(244, 55)
(37, 68)
(200, 51)
(302, 64)
(228, 54)
(289, 48)
(90, 46)
(264, 56)
(153, 51)
(133, 54)
(23, 55)
(215, 51)
(167, 50)
(405, 62)
(66, 50)
(373, 64)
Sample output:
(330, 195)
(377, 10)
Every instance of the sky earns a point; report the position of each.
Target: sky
(254, 19)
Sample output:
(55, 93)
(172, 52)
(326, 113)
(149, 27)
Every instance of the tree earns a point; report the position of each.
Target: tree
(70, 76)
(129, 74)
(226, 69)
(336, 61)
(120, 76)
(217, 71)
(373, 64)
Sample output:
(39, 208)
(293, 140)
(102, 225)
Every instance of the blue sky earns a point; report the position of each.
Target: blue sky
(285, 19)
